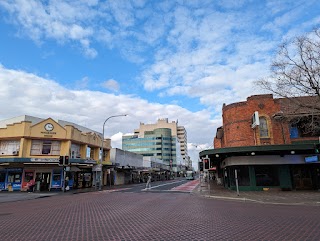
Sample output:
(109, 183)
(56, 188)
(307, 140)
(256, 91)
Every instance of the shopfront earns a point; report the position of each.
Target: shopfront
(28, 175)
(13, 179)
(84, 179)
(3, 174)
(57, 176)
(283, 167)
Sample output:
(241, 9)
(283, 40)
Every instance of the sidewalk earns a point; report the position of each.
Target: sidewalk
(14, 196)
(212, 190)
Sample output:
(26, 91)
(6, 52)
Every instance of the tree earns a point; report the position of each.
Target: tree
(295, 76)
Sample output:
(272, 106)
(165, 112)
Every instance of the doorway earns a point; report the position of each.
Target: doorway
(43, 181)
(302, 177)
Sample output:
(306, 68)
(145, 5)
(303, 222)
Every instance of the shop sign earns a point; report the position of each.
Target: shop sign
(44, 159)
(16, 185)
(48, 127)
(14, 169)
(56, 184)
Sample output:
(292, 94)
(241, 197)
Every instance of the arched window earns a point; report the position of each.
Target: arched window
(263, 127)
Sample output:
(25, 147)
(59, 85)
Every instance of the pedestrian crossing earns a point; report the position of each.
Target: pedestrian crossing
(186, 187)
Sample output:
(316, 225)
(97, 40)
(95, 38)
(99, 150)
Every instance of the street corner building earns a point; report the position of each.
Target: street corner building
(267, 143)
(31, 147)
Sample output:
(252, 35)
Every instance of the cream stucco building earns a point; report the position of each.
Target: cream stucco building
(30, 149)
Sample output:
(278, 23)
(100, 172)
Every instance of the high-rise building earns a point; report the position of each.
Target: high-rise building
(163, 140)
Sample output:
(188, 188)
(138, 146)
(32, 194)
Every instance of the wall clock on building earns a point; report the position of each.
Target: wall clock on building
(48, 127)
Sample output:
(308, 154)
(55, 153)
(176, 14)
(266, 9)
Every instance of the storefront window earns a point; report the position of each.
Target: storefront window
(2, 176)
(28, 176)
(243, 175)
(266, 176)
(14, 177)
(56, 175)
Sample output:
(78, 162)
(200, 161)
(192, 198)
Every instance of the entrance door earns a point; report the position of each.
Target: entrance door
(43, 181)
(302, 177)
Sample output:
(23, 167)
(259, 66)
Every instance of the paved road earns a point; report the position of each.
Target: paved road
(178, 185)
(130, 214)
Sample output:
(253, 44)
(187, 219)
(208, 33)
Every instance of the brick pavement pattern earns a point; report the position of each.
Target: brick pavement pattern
(154, 216)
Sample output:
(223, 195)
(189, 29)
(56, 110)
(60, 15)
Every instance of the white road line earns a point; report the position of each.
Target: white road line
(145, 189)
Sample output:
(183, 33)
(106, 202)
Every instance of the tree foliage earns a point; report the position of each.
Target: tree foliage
(295, 76)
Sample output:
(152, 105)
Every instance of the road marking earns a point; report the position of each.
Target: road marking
(187, 187)
(146, 189)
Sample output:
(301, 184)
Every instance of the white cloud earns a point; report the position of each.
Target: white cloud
(24, 93)
(196, 50)
(111, 84)
(57, 20)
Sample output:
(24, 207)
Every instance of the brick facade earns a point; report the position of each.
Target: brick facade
(237, 119)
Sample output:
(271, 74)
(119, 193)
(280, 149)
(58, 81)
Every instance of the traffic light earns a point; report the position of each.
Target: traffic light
(206, 163)
(201, 166)
(317, 148)
(61, 161)
(66, 160)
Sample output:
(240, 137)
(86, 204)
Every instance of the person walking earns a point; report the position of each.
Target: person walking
(31, 185)
(148, 185)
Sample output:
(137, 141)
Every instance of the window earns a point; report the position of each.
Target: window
(28, 176)
(9, 147)
(263, 127)
(56, 175)
(266, 176)
(14, 177)
(2, 176)
(305, 126)
(294, 131)
(75, 151)
(45, 147)
(243, 175)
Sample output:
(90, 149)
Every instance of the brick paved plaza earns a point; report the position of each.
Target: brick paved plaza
(153, 216)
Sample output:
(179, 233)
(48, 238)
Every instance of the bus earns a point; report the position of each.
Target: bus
(190, 175)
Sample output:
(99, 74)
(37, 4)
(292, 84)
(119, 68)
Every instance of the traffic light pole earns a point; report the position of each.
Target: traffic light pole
(64, 162)
(64, 178)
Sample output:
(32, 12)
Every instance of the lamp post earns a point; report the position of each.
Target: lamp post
(101, 158)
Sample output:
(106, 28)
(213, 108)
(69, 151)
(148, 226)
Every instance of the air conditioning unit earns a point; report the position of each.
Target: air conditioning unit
(15, 153)
(255, 120)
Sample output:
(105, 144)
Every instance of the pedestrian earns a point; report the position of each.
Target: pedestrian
(67, 184)
(148, 186)
(31, 185)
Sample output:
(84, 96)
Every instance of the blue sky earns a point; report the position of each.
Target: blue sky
(84, 60)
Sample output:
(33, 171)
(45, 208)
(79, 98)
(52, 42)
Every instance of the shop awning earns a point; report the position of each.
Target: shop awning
(75, 169)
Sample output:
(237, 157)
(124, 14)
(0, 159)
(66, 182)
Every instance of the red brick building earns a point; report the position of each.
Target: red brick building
(274, 129)
(267, 141)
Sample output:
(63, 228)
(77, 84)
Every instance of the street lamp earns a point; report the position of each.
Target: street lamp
(101, 158)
